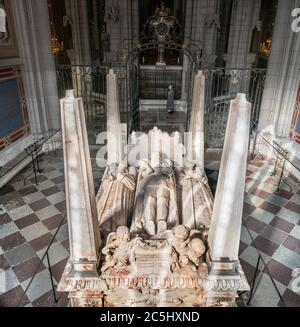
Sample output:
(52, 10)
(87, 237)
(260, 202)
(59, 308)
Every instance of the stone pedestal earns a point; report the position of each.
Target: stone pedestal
(80, 195)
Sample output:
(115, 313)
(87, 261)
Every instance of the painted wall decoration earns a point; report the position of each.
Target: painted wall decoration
(14, 122)
(8, 42)
(295, 130)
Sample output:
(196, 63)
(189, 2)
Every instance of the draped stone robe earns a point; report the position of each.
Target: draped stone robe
(116, 198)
(195, 198)
(155, 200)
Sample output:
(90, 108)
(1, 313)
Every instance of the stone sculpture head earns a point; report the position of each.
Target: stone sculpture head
(181, 232)
(123, 234)
(197, 246)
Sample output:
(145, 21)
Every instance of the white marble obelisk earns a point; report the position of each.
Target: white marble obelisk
(84, 232)
(225, 229)
(196, 143)
(114, 128)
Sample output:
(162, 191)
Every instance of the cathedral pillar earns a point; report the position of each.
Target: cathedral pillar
(244, 18)
(33, 34)
(212, 26)
(283, 78)
(200, 34)
(122, 25)
(80, 53)
(77, 17)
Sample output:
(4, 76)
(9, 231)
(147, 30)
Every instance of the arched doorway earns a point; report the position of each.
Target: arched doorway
(159, 61)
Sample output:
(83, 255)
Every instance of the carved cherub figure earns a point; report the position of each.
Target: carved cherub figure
(181, 236)
(196, 249)
(187, 251)
(117, 249)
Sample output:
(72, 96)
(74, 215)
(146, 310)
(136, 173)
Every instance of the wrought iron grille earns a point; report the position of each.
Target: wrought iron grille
(154, 83)
(222, 85)
(87, 83)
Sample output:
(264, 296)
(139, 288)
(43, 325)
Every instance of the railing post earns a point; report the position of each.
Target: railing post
(51, 279)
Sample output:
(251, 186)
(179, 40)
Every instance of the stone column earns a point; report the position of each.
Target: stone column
(225, 273)
(80, 53)
(114, 129)
(224, 234)
(245, 17)
(196, 150)
(201, 27)
(212, 24)
(33, 33)
(201, 23)
(84, 231)
(77, 12)
(283, 75)
(122, 27)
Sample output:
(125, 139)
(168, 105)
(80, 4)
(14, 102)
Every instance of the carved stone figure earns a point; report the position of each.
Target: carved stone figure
(116, 196)
(188, 251)
(117, 249)
(195, 198)
(170, 101)
(155, 203)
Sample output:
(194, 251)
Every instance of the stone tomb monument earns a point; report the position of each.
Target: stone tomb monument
(165, 243)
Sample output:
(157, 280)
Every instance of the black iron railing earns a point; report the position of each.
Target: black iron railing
(282, 158)
(261, 270)
(222, 85)
(136, 82)
(49, 267)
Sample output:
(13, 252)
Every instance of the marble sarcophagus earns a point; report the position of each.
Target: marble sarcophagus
(166, 241)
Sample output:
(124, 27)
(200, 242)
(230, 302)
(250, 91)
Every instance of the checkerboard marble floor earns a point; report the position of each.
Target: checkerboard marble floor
(271, 227)
(30, 216)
